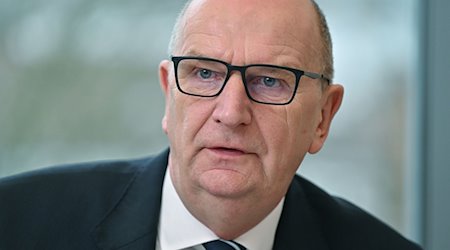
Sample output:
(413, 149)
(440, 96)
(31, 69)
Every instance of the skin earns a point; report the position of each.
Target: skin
(230, 153)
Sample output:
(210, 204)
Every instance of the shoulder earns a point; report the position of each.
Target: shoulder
(67, 184)
(68, 200)
(101, 180)
(344, 224)
(62, 178)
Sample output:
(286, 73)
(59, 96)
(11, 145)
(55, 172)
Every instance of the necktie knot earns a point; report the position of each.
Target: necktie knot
(223, 245)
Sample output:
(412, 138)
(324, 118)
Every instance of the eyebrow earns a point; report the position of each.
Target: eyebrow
(284, 63)
(195, 53)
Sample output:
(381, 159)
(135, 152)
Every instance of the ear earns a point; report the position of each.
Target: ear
(164, 69)
(331, 101)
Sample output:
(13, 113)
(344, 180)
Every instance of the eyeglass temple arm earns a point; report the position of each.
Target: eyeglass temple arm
(317, 76)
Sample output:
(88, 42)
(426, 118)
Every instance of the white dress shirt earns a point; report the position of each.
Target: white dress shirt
(179, 229)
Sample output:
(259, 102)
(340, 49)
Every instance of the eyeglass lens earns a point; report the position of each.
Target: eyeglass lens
(263, 83)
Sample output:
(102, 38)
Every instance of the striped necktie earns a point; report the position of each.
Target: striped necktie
(223, 245)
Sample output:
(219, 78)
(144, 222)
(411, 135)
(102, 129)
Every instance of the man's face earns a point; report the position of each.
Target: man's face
(229, 147)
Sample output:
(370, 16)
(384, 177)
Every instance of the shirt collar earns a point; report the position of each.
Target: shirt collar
(179, 229)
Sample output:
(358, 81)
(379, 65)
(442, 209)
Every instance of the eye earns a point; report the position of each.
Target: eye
(205, 73)
(269, 81)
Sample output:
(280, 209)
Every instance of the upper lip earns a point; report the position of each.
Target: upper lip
(227, 147)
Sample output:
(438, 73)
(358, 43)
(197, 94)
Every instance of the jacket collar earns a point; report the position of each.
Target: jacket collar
(299, 225)
(133, 221)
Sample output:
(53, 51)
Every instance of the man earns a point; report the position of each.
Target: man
(248, 94)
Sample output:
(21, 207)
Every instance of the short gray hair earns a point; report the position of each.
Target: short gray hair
(174, 38)
(327, 44)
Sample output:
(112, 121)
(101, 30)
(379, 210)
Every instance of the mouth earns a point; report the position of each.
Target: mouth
(225, 151)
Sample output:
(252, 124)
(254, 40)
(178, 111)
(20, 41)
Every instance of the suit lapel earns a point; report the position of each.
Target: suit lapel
(299, 226)
(133, 222)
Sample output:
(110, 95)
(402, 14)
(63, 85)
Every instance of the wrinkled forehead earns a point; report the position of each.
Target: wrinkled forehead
(279, 23)
(290, 10)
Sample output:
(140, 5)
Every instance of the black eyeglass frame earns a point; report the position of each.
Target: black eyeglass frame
(230, 68)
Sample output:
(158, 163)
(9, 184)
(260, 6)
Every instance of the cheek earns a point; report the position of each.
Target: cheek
(175, 116)
(185, 119)
(291, 129)
(289, 137)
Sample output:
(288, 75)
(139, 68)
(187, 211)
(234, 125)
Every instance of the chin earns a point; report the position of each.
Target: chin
(224, 184)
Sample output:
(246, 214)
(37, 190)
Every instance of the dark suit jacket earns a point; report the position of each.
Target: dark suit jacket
(116, 205)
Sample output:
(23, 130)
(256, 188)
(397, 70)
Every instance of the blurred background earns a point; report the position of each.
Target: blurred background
(78, 82)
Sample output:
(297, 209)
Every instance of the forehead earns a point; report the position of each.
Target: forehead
(250, 31)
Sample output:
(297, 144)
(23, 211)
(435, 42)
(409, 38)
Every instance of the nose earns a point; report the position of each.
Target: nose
(233, 107)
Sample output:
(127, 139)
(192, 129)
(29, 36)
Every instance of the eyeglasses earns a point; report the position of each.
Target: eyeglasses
(266, 84)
